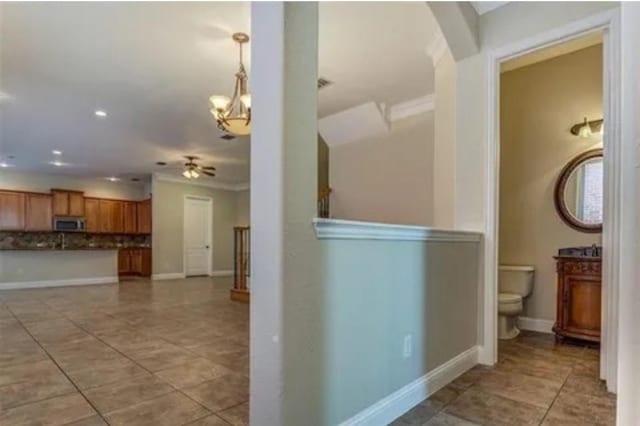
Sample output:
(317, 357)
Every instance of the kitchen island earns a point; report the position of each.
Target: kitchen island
(53, 267)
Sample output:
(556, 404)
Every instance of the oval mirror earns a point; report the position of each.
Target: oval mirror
(579, 192)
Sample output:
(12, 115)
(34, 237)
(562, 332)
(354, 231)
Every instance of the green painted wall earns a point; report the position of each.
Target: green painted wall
(350, 330)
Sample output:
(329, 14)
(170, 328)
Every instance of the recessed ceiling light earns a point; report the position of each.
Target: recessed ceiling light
(113, 179)
(56, 152)
(56, 163)
(101, 113)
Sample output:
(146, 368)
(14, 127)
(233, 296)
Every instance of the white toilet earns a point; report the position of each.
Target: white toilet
(514, 284)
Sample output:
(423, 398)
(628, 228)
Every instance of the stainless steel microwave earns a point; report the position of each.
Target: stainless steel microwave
(68, 224)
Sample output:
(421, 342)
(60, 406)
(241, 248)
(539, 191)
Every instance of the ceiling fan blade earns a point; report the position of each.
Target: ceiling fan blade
(208, 168)
(207, 173)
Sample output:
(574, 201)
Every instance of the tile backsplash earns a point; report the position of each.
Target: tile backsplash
(72, 240)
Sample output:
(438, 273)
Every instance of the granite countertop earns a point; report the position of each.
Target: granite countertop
(70, 248)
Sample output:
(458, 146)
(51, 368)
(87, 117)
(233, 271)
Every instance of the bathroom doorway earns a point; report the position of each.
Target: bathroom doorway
(551, 201)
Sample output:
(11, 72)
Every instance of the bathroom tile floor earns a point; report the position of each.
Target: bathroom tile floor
(138, 353)
(535, 382)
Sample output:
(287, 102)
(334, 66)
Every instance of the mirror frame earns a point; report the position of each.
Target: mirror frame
(561, 183)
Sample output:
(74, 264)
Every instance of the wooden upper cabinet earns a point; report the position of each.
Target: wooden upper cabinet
(12, 209)
(92, 215)
(111, 216)
(60, 203)
(144, 217)
(130, 217)
(38, 212)
(67, 203)
(76, 204)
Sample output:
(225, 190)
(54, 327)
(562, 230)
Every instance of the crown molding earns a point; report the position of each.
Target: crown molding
(412, 107)
(437, 48)
(243, 186)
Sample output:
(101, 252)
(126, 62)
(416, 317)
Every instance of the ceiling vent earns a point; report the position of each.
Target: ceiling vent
(227, 137)
(323, 82)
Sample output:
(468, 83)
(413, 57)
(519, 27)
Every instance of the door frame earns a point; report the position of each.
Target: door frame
(209, 201)
(609, 23)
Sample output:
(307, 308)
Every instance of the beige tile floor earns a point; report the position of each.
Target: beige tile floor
(176, 353)
(535, 382)
(137, 353)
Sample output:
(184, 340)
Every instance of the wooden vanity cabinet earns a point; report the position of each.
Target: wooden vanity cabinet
(579, 298)
(12, 211)
(38, 214)
(67, 203)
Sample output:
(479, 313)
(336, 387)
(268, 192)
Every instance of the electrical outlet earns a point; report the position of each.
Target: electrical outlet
(407, 348)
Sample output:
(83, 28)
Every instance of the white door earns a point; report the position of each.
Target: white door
(197, 236)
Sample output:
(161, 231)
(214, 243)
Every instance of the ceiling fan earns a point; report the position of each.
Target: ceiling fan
(192, 170)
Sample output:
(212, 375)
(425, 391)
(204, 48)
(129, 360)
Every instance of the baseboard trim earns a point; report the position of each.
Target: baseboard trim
(58, 283)
(168, 276)
(535, 324)
(393, 406)
(222, 273)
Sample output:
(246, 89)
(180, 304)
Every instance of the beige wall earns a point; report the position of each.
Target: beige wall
(25, 181)
(388, 178)
(243, 206)
(498, 28)
(168, 225)
(539, 103)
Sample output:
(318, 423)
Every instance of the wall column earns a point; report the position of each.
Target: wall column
(444, 148)
(283, 201)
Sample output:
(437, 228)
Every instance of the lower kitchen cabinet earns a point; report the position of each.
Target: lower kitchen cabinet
(134, 261)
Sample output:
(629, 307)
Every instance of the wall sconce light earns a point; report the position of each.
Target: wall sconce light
(587, 128)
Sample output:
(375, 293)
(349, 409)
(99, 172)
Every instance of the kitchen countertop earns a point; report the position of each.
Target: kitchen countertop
(69, 248)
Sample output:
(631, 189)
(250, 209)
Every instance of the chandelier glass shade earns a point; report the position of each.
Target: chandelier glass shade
(233, 114)
(191, 173)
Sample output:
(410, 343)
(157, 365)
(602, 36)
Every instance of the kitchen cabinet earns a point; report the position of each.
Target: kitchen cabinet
(579, 298)
(38, 212)
(111, 216)
(92, 215)
(130, 212)
(12, 211)
(67, 203)
(134, 261)
(124, 262)
(144, 217)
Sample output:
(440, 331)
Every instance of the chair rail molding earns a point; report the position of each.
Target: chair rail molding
(356, 230)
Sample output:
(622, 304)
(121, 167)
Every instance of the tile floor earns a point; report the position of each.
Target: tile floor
(138, 353)
(535, 382)
(176, 353)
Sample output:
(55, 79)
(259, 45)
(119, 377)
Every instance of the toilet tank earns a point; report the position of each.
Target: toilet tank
(515, 279)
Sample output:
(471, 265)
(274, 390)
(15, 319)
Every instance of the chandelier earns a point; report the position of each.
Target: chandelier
(233, 115)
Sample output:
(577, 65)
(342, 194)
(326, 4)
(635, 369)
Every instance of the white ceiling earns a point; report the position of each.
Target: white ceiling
(152, 67)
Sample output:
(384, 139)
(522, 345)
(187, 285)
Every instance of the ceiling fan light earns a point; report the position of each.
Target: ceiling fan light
(187, 174)
(219, 102)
